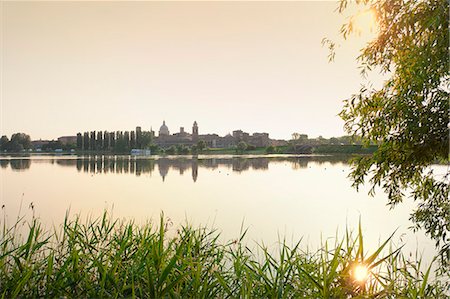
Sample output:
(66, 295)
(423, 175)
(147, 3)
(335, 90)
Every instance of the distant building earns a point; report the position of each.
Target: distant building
(195, 132)
(37, 144)
(164, 139)
(278, 142)
(259, 139)
(164, 130)
(103, 140)
(67, 140)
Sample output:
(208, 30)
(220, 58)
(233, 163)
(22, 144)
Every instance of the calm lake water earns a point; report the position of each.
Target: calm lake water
(272, 196)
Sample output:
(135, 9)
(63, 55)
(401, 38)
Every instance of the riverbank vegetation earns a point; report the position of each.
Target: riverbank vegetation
(18, 142)
(299, 144)
(107, 257)
(294, 146)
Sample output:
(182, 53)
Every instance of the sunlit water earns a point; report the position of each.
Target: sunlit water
(308, 198)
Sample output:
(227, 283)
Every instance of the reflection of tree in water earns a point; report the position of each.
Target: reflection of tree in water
(240, 165)
(302, 162)
(99, 164)
(92, 164)
(143, 166)
(20, 164)
(109, 164)
(86, 165)
(68, 162)
(79, 165)
(4, 163)
(299, 164)
(119, 164)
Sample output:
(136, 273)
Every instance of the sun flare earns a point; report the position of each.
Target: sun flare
(365, 21)
(360, 273)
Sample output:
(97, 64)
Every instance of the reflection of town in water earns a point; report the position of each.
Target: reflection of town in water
(103, 164)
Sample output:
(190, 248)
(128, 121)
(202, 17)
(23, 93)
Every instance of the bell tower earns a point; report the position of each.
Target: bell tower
(195, 132)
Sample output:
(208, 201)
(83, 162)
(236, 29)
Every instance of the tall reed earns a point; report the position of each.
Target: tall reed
(107, 257)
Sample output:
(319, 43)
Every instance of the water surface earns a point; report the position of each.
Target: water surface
(294, 197)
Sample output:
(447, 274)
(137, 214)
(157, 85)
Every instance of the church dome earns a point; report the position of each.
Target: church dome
(164, 130)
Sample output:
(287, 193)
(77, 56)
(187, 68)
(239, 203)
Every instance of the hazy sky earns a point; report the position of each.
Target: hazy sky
(256, 66)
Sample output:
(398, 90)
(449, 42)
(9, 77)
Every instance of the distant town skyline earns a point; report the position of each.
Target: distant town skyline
(68, 67)
(171, 131)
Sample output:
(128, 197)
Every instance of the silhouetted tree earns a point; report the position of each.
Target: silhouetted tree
(182, 149)
(271, 149)
(171, 150)
(106, 141)
(79, 141)
(146, 139)
(3, 141)
(112, 140)
(126, 137)
(132, 139)
(92, 141)
(23, 139)
(201, 145)
(18, 142)
(241, 146)
(99, 141)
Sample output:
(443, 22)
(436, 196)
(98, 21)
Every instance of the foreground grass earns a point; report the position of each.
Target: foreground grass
(112, 258)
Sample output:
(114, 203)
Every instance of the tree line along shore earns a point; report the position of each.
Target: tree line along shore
(300, 144)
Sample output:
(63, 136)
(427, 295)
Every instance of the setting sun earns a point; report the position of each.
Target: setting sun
(365, 21)
(360, 273)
